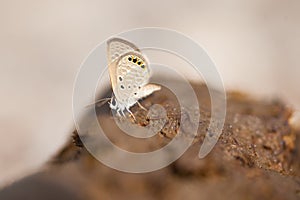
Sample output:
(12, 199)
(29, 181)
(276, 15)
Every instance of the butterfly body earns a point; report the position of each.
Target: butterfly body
(129, 74)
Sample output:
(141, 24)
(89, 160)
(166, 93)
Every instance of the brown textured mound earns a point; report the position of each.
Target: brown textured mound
(256, 157)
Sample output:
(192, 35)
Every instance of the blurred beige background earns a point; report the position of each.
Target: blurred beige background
(255, 45)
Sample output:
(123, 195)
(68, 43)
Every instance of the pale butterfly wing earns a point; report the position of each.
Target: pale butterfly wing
(133, 74)
(116, 47)
(129, 73)
(147, 90)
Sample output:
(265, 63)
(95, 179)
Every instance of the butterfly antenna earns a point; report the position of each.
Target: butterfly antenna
(99, 102)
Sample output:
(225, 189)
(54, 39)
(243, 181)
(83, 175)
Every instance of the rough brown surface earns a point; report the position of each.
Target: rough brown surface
(256, 157)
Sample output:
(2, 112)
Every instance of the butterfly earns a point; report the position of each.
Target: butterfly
(129, 73)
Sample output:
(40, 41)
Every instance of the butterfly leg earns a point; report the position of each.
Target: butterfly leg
(141, 106)
(123, 114)
(120, 112)
(131, 114)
